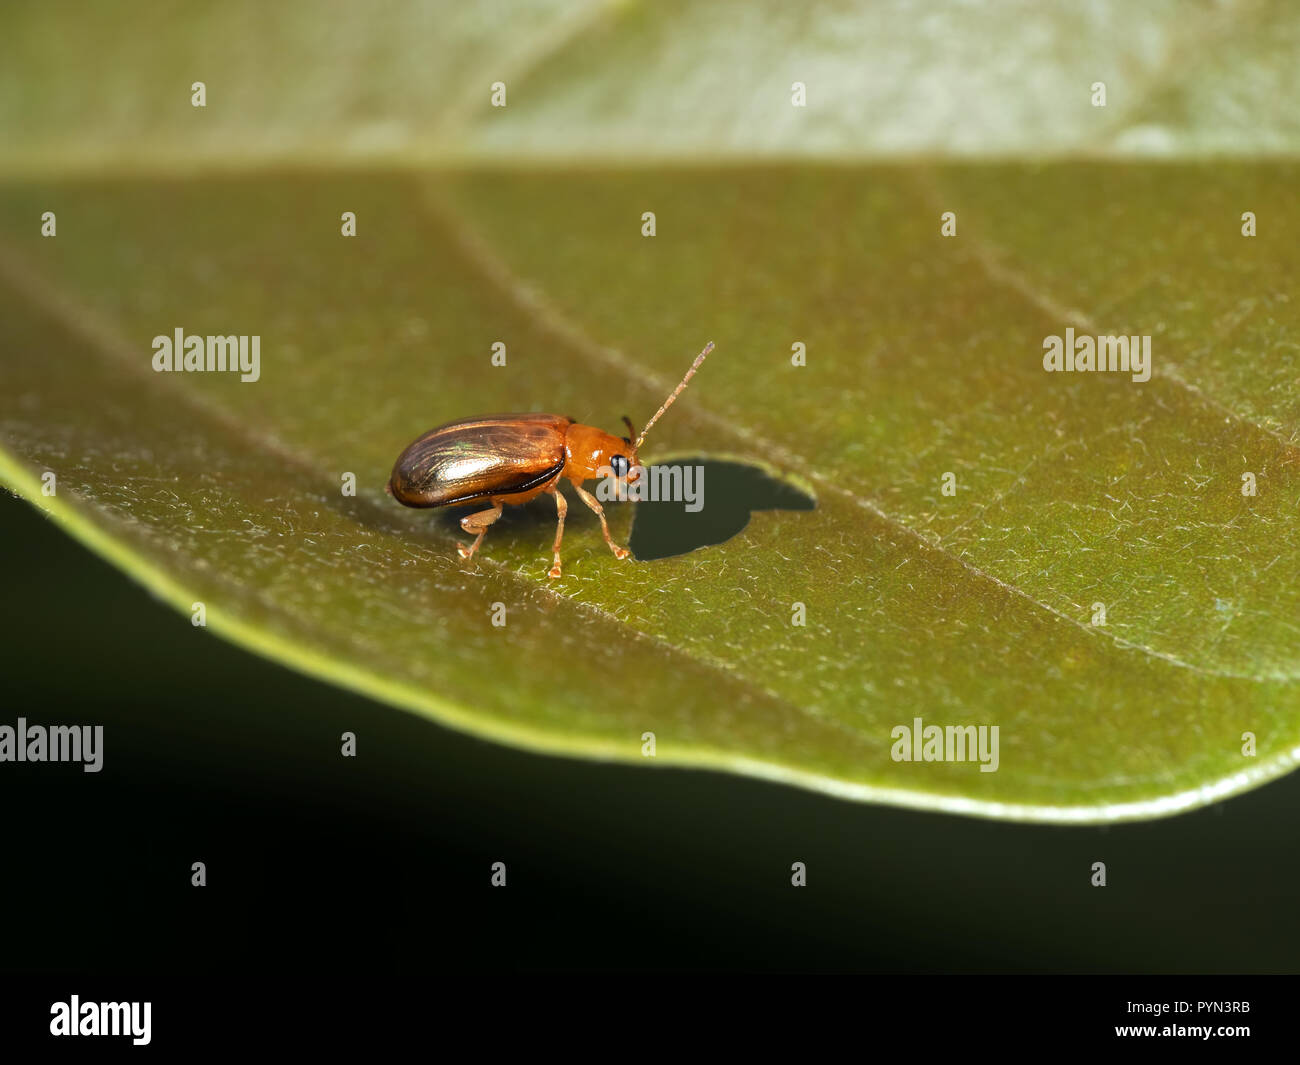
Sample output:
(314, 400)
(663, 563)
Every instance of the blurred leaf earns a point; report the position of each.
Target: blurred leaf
(107, 82)
(924, 358)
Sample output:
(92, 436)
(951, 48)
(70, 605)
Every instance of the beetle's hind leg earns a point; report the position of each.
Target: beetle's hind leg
(561, 509)
(591, 501)
(477, 523)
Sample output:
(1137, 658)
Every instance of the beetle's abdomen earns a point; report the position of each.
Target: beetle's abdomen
(498, 454)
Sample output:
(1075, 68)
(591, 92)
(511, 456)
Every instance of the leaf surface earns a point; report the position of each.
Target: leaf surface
(924, 358)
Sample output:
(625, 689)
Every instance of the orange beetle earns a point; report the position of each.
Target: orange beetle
(510, 458)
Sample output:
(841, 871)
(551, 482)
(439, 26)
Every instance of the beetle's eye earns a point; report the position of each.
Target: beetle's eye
(619, 465)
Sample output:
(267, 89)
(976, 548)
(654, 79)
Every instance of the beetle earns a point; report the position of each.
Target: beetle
(512, 458)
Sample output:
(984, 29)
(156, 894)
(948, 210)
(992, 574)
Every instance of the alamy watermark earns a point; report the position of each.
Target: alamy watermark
(199, 354)
(1071, 354)
(75, 1017)
(55, 743)
(653, 484)
(951, 743)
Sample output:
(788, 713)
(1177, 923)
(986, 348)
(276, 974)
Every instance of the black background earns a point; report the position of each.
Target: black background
(381, 863)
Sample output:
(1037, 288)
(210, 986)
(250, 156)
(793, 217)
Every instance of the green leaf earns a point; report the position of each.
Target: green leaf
(409, 82)
(924, 358)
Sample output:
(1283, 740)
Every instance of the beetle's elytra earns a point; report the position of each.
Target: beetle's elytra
(511, 458)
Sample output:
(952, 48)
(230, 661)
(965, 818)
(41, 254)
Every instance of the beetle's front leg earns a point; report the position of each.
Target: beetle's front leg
(561, 509)
(594, 503)
(477, 523)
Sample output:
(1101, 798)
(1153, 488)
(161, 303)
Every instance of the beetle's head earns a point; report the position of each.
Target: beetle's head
(595, 453)
(591, 451)
(629, 452)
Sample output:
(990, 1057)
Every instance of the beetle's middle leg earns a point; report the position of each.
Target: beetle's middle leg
(561, 509)
(477, 523)
(591, 501)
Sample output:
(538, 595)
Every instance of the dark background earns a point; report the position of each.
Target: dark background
(382, 861)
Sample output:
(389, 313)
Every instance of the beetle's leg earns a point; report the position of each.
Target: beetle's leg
(591, 501)
(561, 509)
(477, 523)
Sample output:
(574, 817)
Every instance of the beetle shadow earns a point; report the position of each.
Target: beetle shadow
(716, 506)
(729, 492)
(537, 514)
(383, 514)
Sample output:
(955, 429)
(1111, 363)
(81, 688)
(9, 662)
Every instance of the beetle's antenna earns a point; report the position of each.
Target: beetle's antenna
(676, 392)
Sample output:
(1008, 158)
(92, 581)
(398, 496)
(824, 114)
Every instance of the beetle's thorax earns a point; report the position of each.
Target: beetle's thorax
(588, 450)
